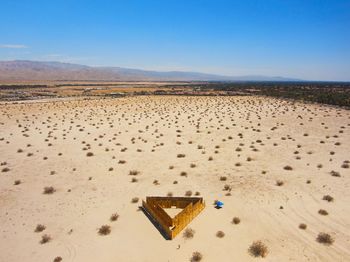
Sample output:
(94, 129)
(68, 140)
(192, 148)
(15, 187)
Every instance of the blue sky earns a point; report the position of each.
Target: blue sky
(308, 39)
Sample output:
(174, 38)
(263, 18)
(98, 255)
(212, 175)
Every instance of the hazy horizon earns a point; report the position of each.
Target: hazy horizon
(296, 39)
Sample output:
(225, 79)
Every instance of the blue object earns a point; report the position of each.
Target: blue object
(219, 204)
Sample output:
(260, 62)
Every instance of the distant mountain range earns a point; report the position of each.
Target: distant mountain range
(36, 70)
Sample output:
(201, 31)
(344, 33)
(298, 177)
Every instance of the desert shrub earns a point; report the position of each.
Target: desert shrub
(193, 165)
(223, 178)
(114, 217)
(89, 154)
(134, 180)
(134, 200)
(169, 194)
(227, 187)
(188, 233)
(220, 234)
(49, 190)
(121, 162)
(236, 220)
(181, 155)
(196, 256)
(345, 165)
(328, 198)
(188, 193)
(133, 173)
(210, 158)
(302, 226)
(324, 238)
(335, 173)
(183, 173)
(45, 238)
(104, 230)
(57, 259)
(323, 212)
(17, 182)
(39, 228)
(279, 183)
(288, 168)
(197, 193)
(258, 249)
(5, 169)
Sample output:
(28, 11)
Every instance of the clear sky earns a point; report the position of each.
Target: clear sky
(308, 39)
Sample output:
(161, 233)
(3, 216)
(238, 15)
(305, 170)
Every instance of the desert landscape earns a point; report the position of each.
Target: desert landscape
(74, 172)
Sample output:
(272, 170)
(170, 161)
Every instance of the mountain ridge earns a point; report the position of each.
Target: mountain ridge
(28, 70)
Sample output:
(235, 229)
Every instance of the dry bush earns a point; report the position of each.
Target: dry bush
(89, 154)
(302, 226)
(57, 259)
(323, 212)
(133, 173)
(236, 220)
(220, 234)
(196, 256)
(193, 165)
(279, 183)
(5, 169)
(328, 198)
(188, 193)
(39, 228)
(134, 200)
(49, 190)
(345, 165)
(134, 180)
(335, 173)
(104, 230)
(17, 182)
(197, 193)
(45, 238)
(171, 167)
(223, 178)
(188, 233)
(210, 158)
(288, 168)
(325, 238)
(121, 162)
(169, 194)
(258, 249)
(183, 173)
(181, 155)
(114, 217)
(227, 187)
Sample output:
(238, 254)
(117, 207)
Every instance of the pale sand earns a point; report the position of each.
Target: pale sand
(255, 198)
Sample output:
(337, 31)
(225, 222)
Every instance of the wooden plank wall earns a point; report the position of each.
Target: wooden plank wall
(154, 206)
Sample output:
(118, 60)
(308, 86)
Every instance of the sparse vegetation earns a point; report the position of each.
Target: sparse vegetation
(325, 238)
(49, 190)
(104, 230)
(258, 249)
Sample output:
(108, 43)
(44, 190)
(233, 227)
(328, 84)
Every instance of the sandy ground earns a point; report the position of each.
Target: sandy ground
(249, 139)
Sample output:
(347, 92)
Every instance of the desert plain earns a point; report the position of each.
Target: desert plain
(69, 167)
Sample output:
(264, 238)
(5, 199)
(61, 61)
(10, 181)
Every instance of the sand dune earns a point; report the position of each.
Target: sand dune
(275, 164)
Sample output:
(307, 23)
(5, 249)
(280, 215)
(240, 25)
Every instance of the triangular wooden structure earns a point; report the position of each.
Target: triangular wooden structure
(191, 206)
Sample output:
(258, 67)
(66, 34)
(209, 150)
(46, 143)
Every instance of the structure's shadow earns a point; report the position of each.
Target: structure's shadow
(154, 222)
